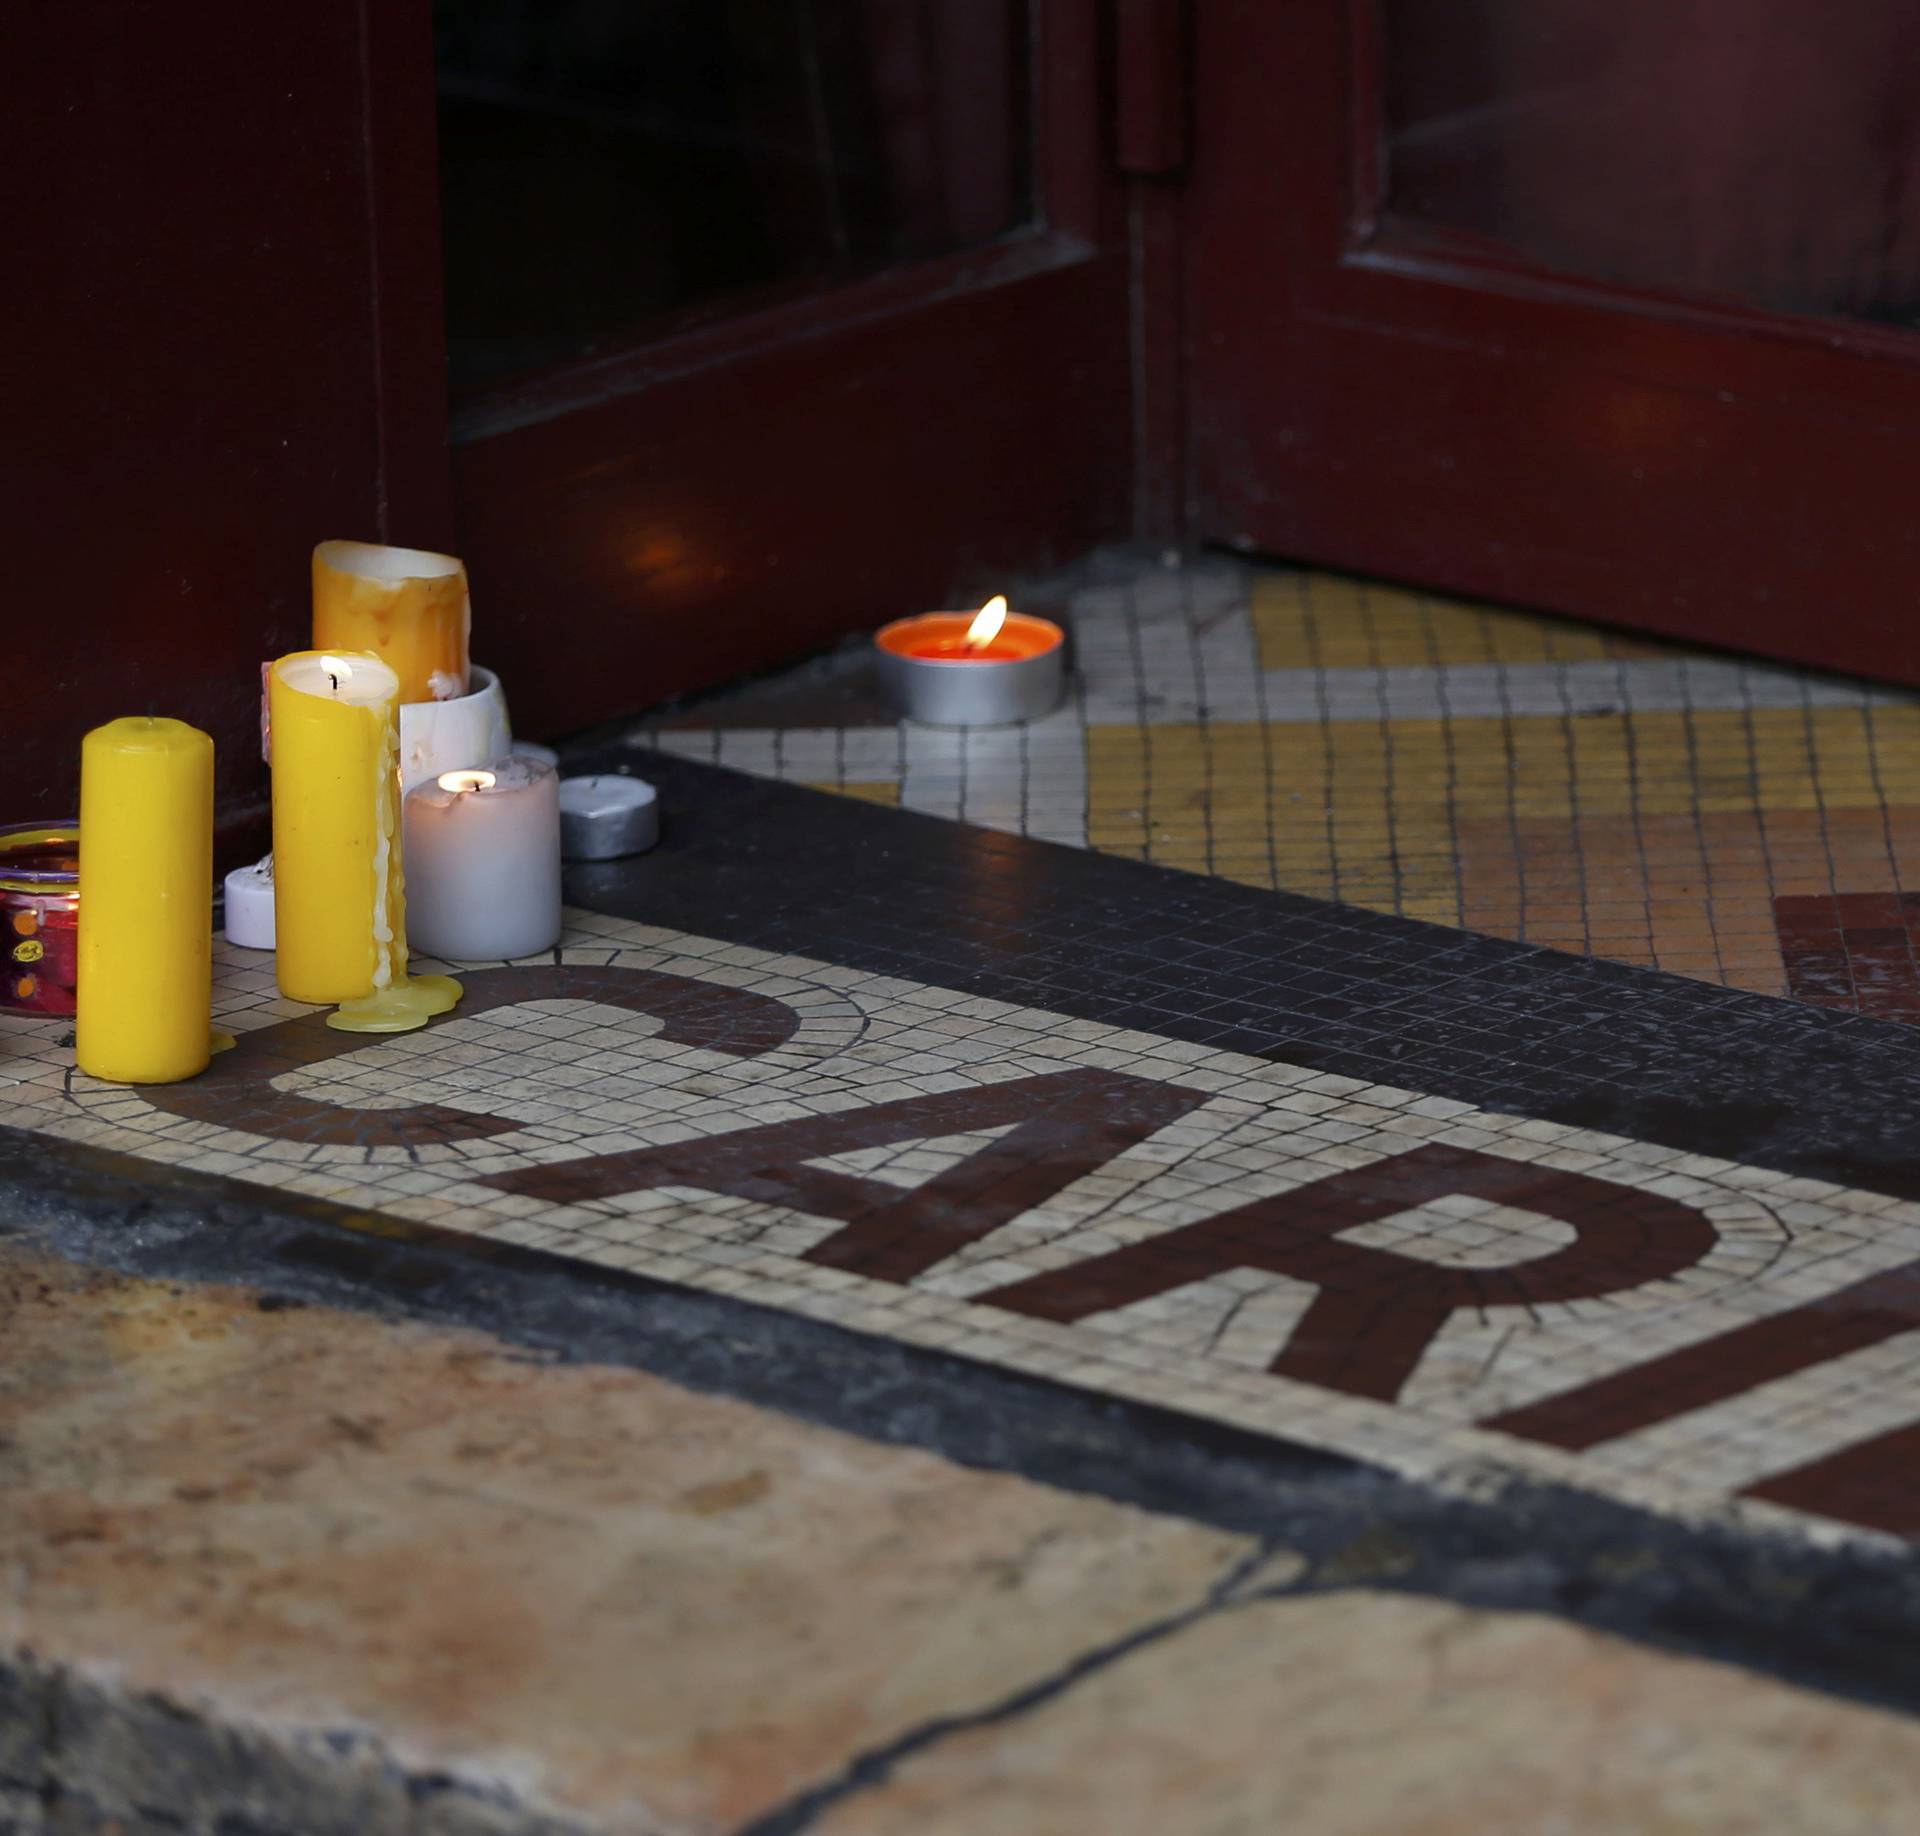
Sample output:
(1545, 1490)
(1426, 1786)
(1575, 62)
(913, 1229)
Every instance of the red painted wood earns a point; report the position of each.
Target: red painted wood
(1760, 150)
(203, 380)
(1152, 102)
(414, 486)
(731, 514)
(1409, 405)
(1157, 304)
(1152, 144)
(750, 489)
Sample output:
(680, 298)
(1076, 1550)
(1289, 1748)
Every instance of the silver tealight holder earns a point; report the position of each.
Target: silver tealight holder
(972, 669)
(606, 816)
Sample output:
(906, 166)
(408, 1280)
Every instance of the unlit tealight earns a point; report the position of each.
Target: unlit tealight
(250, 906)
(604, 816)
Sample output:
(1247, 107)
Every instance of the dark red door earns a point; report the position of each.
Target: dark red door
(770, 320)
(1595, 306)
(224, 307)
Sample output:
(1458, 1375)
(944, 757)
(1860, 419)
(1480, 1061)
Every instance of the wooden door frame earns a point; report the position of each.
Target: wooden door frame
(413, 484)
(1685, 427)
(675, 497)
(1456, 269)
(1153, 149)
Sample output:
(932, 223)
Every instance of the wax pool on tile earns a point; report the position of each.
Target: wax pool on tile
(339, 900)
(406, 605)
(145, 955)
(483, 862)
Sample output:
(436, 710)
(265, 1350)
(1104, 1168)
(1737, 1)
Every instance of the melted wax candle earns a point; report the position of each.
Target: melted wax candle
(406, 605)
(338, 891)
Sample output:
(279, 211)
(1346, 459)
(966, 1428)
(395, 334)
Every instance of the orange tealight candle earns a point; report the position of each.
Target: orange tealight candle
(970, 669)
(1001, 649)
(991, 635)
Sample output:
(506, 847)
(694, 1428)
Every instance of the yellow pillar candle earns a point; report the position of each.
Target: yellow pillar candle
(338, 890)
(407, 606)
(145, 966)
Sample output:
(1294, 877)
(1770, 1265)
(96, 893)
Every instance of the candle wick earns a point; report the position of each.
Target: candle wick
(335, 680)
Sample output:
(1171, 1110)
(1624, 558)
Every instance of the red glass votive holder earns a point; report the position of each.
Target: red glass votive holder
(39, 917)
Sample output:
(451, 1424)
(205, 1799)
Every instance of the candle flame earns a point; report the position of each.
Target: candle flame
(338, 670)
(467, 780)
(987, 622)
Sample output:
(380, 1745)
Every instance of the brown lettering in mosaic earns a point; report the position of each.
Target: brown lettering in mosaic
(236, 1090)
(1874, 1483)
(1376, 1310)
(1854, 951)
(1065, 1124)
(1727, 1365)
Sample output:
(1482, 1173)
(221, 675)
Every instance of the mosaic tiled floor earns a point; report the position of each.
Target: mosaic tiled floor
(1201, 1189)
(1363, 1260)
(1516, 775)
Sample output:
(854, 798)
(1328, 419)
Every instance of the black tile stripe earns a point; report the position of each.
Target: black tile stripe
(1506, 1027)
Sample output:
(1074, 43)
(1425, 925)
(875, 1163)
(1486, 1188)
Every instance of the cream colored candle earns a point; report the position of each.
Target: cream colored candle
(339, 899)
(406, 605)
(145, 981)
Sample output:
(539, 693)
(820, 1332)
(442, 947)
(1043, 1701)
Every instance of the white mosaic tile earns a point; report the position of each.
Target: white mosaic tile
(577, 1079)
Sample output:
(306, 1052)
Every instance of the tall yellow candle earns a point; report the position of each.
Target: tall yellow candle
(407, 606)
(338, 890)
(145, 964)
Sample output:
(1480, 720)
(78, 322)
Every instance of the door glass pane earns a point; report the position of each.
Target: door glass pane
(1764, 150)
(608, 162)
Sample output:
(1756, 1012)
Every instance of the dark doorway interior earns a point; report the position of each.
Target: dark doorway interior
(769, 320)
(608, 169)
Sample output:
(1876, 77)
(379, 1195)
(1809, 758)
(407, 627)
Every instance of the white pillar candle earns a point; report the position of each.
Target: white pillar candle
(482, 850)
(250, 906)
